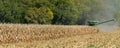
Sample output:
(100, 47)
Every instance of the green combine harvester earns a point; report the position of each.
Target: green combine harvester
(94, 23)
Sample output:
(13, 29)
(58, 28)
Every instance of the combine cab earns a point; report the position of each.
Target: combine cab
(94, 23)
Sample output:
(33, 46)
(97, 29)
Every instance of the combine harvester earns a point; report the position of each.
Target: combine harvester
(103, 26)
(94, 23)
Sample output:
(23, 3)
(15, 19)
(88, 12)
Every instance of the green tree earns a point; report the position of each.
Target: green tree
(42, 15)
(64, 12)
(10, 11)
(50, 11)
(83, 8)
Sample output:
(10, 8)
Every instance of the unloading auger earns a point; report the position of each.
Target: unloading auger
(94, 23)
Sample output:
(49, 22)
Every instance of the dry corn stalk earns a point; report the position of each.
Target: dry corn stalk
(11, 33)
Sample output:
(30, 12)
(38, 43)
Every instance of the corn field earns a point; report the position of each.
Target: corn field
(56, 36)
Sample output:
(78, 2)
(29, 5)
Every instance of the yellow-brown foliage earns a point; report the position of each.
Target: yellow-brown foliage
(12, 33)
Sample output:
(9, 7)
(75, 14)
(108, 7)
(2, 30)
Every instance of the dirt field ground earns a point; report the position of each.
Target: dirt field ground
(87, 39)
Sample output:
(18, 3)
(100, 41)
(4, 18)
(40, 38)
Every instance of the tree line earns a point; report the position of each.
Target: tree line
(61, 12)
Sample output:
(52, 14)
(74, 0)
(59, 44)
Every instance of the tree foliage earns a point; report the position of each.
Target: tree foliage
(42, 15)
(65, 12)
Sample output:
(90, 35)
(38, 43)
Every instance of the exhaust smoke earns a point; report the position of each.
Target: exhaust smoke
(110, 7)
